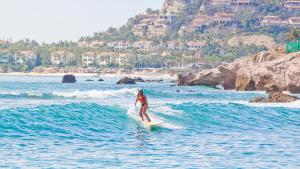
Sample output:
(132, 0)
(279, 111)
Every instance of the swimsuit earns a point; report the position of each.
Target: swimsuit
(142, 100)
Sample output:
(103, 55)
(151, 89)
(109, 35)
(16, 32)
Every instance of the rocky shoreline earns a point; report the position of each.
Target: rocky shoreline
(251, 73)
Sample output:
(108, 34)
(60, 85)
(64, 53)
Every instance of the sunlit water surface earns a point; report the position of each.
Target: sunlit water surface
(46, 124)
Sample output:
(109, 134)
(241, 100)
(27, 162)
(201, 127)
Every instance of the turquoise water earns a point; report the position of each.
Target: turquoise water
(46, 124)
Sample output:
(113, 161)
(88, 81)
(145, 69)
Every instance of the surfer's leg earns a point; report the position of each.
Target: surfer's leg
(141, 114)
(145, 114)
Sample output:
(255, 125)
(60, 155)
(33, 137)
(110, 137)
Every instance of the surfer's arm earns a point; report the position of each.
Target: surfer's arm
(136, 100)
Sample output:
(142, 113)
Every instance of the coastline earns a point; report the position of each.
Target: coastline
(115, 75)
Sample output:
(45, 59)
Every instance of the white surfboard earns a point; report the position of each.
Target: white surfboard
(151, 124)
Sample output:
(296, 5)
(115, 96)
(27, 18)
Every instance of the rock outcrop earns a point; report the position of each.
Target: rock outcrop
(139, 79)
(69, 79)
(275, 96)
(252, 73)
(126, 80)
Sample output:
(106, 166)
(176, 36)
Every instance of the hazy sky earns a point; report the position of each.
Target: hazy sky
(54, 20)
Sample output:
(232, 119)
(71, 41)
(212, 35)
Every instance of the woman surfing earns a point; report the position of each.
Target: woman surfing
(143, 99)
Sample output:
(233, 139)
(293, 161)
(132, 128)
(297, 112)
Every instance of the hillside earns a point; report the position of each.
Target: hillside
(202, 33)
(210, 27)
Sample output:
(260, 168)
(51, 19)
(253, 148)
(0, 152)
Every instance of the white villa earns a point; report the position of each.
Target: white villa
(119, 45)
(104, 58)
(22, 57)
(60, 57)
(4, 56)
(90, 44)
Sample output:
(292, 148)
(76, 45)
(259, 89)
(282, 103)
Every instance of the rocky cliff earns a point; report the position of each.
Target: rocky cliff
(252, 73)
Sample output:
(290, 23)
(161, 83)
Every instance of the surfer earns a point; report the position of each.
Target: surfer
(143, 99)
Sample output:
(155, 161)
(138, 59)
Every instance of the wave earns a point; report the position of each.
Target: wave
(31, 94)
(70, 120)
(295, 104)
(72, 94)
(100, 94)
(133, 112)
(87, 119)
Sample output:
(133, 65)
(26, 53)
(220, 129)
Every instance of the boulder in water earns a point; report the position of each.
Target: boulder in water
(154, 81)
(275, 96)
(69, 79)
(126, 80)
(139, 79)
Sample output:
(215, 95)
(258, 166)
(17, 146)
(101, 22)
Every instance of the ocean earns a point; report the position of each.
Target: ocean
(47, 124)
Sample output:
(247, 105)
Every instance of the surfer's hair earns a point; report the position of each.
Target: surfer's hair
(141, 92)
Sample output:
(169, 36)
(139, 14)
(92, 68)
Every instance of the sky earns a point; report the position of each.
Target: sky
(55, 20)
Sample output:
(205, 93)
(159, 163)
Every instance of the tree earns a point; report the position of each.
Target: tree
(293, 35)
(38, 61)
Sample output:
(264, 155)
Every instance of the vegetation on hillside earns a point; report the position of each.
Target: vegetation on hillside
(217, 50)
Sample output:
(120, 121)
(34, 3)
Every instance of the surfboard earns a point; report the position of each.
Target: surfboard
(151, 124)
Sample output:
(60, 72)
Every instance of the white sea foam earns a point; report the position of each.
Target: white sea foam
(13, 93)
(166, 110)
(97, 93)
(295, 104)
(133, 112)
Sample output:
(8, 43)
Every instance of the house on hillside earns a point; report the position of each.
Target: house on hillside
(88, 58)
(22, 57)
(90, 44)
(60, 57)
(4, 42)
(119, 45)
(294, 22)
(104, 58)
(218, 4)
(4, 56)
(229, 5)
(272, 21)
(123, 58)
(161, 25)
(154, 24)
(174, 45)
(174, 7)
(196, 45)
(140, 28)
(220, 20)
(143, 45)
(292, 5)
(244, 3)
(224, 20)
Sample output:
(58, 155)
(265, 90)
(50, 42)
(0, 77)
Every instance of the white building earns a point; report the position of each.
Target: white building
(88, 58)
(4, 57)
(119, 45)
(60, 57)
(90, 44)
(22, 57)
(195, 45)
(294, 22)
(143, 45)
